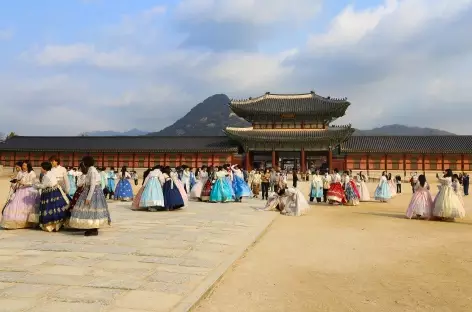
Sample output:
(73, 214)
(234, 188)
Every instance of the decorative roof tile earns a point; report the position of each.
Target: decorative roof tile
(408, 144)
(289, 135)
(121, 144)
(301, 105)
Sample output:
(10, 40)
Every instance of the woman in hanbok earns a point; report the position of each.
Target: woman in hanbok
(103, 179)
(335, 193)
(180, 186)
(256, 183)
(350, 191)
(152, 197)
(124, 190)
(382, 192)
(111, 176)
(193, 178)
(54, 202)
(137, 199)
(22, 208)
(457, 187)
(316, 189)
(363, 189)
(240, 187)
(202, 178)
(326, 185)
(392, 184)
(447, 204)
(172, 196)
(60, 173)
(80, 185)
(185, 179)
(221, 191)
(208, 185)
(91, 209)
(289, 202)
(421, 204)
(229, 178)
(72, 177)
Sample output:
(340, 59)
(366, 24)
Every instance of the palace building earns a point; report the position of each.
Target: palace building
(288, 131)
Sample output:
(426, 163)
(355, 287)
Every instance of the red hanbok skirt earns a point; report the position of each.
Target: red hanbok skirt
(336, 193)
(76, 196)
(206, 191)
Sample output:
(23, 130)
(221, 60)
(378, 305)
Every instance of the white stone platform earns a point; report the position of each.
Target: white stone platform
(147, 261)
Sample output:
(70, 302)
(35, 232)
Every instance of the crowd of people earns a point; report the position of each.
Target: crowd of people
(56, 199)
(77, 198)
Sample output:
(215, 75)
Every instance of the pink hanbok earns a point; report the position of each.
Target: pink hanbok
(421, 204)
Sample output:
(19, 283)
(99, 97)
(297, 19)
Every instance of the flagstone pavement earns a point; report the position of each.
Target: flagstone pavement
(147, 261)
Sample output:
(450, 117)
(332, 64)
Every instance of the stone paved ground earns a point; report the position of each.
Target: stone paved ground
(162, 261)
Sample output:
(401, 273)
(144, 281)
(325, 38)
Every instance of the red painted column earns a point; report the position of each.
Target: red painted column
(248, 161)
(423, 164)
(330, 159)
(149, 160)
(442, 162)
(385, 163)
(274, 162)
(212, 159)
(302, 162)
(345, 162)
(134, 160)
(368, 164)
(462, 162)
(196, 160)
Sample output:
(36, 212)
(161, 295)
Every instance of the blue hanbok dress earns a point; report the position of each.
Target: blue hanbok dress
(193, 180)
(222, 190)
(124, 190)
(152, 195)
(111, 182)
(54, 204)
(72, 184)
(172, 197)
(240, 187)
(382, 192)
(316, 189)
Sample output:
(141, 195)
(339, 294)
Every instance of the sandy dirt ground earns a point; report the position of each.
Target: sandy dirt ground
(364, 258)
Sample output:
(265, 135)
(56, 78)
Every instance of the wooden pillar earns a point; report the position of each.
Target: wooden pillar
(248, 161)
(165, 159)
(231, 159)
(212, 159)
(73, 160)
(330, 159)
(103, 159)
(462, 163)
(423, 164)
(117, 160)
(345, 162)
(14, 159)
(134, 160)
(385, 162)
(274, 163)
(302, 160)
(196, 160)
(368, 164)
(180, 159)
(149, 160)
(442, 162)
(404, 165)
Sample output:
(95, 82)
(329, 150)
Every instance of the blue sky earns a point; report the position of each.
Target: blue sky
(84, 65)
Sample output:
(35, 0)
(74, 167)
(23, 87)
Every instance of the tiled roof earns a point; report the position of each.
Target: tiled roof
(121, 144)
(412, 144)
(289, 135)
(301, 105)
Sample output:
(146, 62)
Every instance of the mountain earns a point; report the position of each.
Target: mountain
(132, 132)
(207, 118)
(402, 130)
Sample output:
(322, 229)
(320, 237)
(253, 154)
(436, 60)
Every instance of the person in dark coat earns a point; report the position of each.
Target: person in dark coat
(465, 183)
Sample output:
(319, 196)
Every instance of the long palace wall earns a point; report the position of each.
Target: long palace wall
(357, 161)
(408, 162)
(131, 160)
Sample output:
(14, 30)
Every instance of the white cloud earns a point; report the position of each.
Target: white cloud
(252, 11)
(86, 54)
